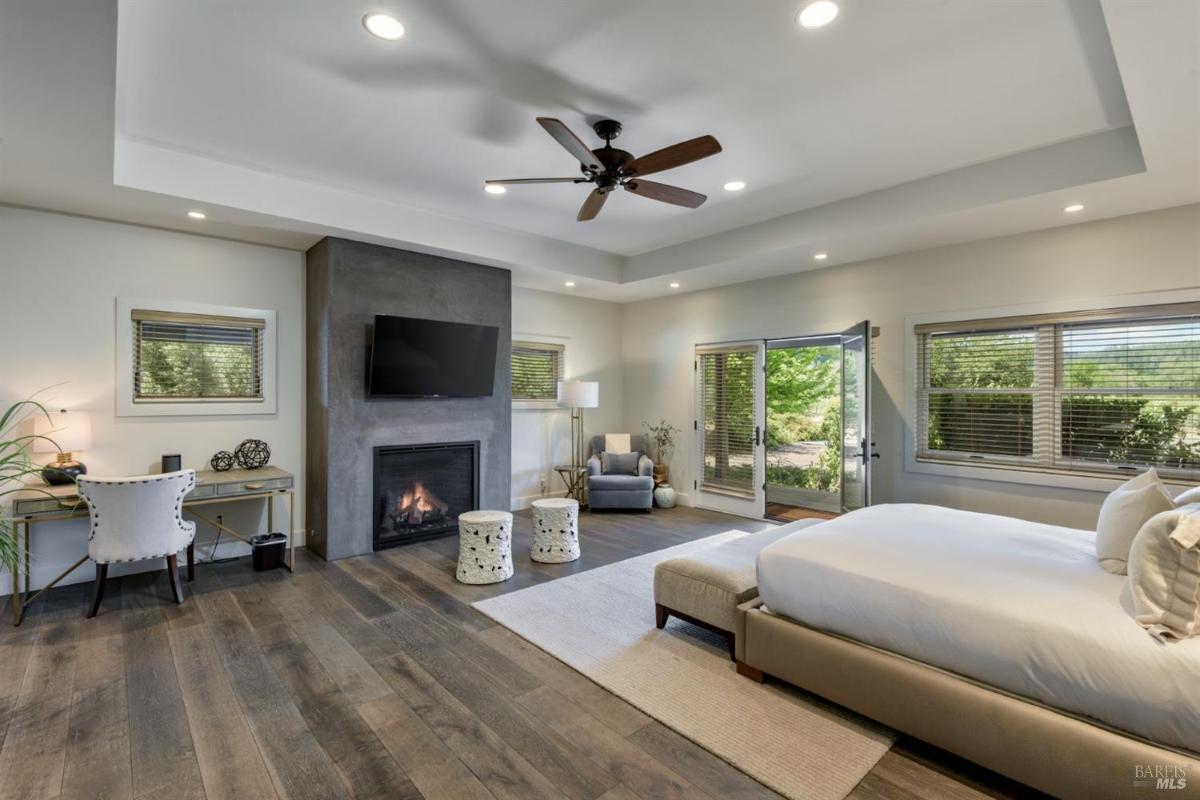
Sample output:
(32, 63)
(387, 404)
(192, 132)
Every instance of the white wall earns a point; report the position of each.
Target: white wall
(60, 277)
(591, 331)
(1142, 253)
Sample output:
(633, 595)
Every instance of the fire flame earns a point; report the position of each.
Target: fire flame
(416, 495)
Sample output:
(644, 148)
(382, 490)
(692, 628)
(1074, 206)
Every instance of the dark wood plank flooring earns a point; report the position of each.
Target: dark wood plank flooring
(368, 678)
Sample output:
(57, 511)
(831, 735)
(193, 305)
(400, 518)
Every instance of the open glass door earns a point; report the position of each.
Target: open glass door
(729, 428)
(856, 417)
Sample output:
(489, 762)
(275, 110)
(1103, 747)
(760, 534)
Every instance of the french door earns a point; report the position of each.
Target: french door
(857, 444)
(729, 427)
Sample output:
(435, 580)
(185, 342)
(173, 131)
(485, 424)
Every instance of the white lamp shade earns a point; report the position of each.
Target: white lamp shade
(579, 394)
(70, 430)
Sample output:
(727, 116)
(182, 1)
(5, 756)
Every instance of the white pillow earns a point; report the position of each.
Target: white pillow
(1123, 514)
(1164, 574)
(1190, 496)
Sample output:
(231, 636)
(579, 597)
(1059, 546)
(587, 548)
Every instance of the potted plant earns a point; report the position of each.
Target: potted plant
(15, 466)
(663, 435)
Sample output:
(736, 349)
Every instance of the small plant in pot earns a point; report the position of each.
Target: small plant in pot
(663, 436)
(15, 466)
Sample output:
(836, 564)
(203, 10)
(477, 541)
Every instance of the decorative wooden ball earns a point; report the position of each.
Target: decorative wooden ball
(252, 454)
(222, 461)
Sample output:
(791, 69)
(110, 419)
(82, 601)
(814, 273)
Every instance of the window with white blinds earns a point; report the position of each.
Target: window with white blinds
(537, 368)
(727, 403)
(1091, 392)
(190, 357)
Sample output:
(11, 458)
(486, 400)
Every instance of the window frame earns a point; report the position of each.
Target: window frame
(550, 344)
(128, 405)
(1007, 469)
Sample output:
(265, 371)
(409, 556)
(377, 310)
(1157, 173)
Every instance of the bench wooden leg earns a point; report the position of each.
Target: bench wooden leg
(753, 673)
(661, 613)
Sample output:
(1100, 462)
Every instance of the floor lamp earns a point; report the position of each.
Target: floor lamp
(578, 395)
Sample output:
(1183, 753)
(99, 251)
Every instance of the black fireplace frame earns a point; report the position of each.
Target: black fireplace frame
(383, 450)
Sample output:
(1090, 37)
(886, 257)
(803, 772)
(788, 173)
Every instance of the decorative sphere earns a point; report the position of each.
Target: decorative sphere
(252, 454)
(222, 461)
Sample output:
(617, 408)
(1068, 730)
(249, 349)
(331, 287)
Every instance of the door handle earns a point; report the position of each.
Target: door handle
(757, 436)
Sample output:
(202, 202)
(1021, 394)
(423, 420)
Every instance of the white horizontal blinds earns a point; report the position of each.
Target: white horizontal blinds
(978, 397)
(196, 357)
(1109, 391)
(536, 370)
(727, 401)
(1129, 395)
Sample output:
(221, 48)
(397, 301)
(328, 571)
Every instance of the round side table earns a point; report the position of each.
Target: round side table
(555, 530)
(484, 547)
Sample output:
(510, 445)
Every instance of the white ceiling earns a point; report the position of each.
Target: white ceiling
(899, 126)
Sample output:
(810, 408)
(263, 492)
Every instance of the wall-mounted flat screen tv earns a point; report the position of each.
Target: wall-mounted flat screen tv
(427, 358)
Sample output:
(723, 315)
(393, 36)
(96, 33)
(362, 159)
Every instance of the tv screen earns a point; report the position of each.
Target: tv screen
(426, 358)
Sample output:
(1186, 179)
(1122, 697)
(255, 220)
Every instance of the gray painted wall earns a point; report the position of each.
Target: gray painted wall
(348, 283)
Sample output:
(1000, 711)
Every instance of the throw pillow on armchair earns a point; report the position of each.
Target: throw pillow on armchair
(619, 463)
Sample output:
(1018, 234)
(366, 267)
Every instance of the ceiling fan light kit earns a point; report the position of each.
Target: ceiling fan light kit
(610, 168)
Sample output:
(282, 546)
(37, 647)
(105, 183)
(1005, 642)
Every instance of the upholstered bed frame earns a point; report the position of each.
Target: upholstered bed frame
(1050, 750)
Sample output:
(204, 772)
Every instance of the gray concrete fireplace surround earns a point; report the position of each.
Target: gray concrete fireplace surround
(349, 283)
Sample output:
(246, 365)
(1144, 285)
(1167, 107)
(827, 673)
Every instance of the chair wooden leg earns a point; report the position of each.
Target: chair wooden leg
(191, 561)
(98, 589)
(173, 574)
(661, 613)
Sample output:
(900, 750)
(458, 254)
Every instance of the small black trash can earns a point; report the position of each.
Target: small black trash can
(267, 550)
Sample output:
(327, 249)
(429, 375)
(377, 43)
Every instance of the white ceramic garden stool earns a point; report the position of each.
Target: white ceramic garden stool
(555, 530)
(484, 547)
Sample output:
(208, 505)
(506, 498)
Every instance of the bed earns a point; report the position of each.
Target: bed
(999, 639)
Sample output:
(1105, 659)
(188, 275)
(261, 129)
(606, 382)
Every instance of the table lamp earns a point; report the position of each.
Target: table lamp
(578, 395)
(66, 432)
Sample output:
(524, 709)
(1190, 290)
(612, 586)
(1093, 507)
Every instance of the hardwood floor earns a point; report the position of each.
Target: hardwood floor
(371, 678)
(785, 513)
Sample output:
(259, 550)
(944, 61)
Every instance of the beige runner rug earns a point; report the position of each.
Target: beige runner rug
(601, 622)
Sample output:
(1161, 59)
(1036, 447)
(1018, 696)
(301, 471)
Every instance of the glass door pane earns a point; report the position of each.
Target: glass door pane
(729, 426)
(856, 417)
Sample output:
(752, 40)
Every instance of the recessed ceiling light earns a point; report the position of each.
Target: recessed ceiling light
(197, 215)
(821, 256)
(494, 188)
(1074, 208)
(384, 26)
(818, 14)
(674, 285)
(735, 186)
(569, 284)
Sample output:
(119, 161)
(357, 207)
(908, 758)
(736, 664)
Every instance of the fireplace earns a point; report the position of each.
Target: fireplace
(421, 489)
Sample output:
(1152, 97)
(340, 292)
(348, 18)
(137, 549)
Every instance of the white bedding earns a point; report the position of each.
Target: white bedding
(1017, 605)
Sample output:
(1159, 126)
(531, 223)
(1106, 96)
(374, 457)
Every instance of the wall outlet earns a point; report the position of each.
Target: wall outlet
(544, 488)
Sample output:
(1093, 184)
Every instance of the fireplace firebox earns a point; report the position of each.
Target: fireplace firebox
(421, 489)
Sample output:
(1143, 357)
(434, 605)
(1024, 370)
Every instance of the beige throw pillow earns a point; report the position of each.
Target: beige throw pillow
(1123, 514)
(1164, 574)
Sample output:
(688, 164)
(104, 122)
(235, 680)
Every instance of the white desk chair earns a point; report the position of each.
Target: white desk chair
(138, 518)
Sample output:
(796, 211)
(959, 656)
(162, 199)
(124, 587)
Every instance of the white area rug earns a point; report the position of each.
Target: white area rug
(601, 622)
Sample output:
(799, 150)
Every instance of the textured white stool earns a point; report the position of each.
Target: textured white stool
(484, 547)
(555, 530)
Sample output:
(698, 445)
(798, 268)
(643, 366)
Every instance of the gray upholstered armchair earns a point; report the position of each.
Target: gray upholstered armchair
(632, 489)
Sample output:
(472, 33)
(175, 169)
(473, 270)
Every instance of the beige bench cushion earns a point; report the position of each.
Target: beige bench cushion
(710, 583)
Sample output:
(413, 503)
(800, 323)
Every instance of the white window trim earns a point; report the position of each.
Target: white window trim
(1015, 474)
(125, 405)
(540, 338)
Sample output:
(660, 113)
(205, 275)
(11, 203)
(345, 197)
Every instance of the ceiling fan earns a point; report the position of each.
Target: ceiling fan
(610, 168)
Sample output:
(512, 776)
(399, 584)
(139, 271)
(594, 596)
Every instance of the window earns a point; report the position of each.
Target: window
(727, 405)
(537, 367)
(1102, 392)
(196, 357)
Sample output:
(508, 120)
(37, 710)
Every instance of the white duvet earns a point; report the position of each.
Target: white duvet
(1020, 606)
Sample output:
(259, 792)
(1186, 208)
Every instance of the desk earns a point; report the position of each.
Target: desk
(45, 503)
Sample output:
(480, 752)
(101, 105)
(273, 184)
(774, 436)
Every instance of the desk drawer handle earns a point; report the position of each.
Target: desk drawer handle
(253, 486)
(70, 502)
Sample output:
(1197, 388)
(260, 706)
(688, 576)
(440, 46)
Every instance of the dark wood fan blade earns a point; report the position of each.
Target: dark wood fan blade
(511, 181)
(573, 144)
(592, 205)
(674, 156)
(667, 194)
